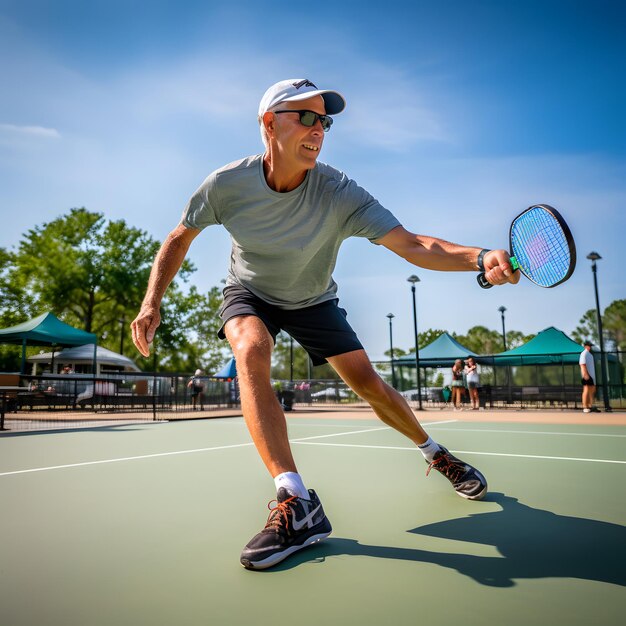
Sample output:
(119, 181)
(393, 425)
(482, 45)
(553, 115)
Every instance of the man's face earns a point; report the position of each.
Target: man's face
(299, 145)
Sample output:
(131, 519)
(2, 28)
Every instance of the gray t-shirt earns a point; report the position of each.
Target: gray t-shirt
(285, 245)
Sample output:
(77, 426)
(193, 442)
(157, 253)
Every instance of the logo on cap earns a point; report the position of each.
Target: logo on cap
(304, 83)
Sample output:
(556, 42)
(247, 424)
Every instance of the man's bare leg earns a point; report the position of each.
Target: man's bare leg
(357, 372)
(592, 395)
(252, 347)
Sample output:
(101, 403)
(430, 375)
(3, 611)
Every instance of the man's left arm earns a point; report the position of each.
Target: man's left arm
(437, 254)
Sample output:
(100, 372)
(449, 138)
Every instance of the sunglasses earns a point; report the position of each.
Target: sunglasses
(309, 118)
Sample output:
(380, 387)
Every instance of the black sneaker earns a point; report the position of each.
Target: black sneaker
(293, 524)
(467, 481)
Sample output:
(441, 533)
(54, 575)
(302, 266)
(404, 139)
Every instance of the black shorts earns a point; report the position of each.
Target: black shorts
(589, 382)
(322, 329)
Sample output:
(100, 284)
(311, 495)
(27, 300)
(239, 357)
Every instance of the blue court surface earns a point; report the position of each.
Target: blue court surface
(144, 523)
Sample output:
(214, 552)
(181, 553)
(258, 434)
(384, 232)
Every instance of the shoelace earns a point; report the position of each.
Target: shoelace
(449, 468)
(281, 510)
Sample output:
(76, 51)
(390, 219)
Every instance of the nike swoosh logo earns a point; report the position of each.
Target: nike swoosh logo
(297, 525)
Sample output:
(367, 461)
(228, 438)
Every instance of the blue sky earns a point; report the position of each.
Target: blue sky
(460, 115)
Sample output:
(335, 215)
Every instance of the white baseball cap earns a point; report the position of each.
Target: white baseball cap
(295, 89)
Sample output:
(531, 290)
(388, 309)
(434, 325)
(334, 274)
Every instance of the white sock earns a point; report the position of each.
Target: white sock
(429, 448)
(292, 482)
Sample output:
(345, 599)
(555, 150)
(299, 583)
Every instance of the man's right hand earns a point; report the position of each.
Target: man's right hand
(144, 328)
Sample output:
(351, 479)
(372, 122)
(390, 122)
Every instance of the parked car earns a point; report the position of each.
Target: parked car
(429, 394)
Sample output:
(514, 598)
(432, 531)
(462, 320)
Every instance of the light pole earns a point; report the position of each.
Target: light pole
(509, 378)
(393, 370)
(122, 321)
(502, 309)
(414, 279)
(593, 257)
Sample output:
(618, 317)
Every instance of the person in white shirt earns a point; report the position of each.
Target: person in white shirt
(588, 375)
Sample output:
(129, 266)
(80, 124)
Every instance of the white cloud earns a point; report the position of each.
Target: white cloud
(36, 132)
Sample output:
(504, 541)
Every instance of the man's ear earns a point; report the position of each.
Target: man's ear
(269, 121)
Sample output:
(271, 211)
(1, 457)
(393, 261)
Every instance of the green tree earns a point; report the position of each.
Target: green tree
(191, 322)
(614, 323)
(515, 339)
(93, 274)
(587, 328)
(425, 338)
(397, 353)
(83, 269)
(481, 340)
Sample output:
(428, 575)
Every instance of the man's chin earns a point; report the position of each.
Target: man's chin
(310, 162)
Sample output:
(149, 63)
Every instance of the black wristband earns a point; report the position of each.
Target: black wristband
(480, 262)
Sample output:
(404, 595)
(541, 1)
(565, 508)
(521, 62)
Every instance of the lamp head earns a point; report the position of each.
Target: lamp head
(413, 279)
(594, 256)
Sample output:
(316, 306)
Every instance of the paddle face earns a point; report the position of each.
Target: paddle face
(542, 247)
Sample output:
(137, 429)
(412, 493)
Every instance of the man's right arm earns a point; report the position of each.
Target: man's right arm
(166, 265)
(584, 372)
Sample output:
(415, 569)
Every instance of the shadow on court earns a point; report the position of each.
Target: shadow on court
(533, 544)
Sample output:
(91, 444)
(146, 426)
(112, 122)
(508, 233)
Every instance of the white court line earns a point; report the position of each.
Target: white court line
(521, 456)
(526, 432)
(357, 432)
(441, 422)
(119, 460)
(163, 454)
(354, 432)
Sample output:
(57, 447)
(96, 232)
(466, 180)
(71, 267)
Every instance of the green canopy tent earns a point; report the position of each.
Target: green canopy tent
(442, 352)
(46, 330)
(552, 347)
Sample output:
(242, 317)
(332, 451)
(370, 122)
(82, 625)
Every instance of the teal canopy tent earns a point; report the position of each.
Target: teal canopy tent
(549, 346)
(442, 352)
(46, 330)
(553, 347)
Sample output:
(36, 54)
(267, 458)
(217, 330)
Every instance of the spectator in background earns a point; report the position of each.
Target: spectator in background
(196, 384)
(588, 377)
(472, 379)
(457, 385)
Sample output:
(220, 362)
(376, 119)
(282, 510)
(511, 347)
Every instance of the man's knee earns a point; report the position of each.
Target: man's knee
(372, 388)
(250, 341)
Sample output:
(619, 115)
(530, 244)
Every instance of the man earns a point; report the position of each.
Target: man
(196, 384)
(287, 216)
(588, 377)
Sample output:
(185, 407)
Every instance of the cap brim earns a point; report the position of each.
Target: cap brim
(334, 102)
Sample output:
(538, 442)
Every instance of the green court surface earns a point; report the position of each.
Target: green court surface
(143, 524)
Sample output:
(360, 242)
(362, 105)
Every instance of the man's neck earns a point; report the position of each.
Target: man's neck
(281, 179)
